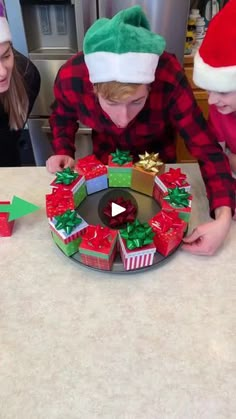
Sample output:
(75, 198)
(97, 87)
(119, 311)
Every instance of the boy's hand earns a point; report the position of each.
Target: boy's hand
(207, 238)
(58, 163)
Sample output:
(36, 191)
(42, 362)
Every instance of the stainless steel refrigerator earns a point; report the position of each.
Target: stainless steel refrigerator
(50, 31)
(166, 17)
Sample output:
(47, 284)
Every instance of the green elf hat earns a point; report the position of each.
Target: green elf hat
(123, 48)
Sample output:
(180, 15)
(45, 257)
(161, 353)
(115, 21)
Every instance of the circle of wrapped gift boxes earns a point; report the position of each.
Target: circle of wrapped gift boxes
(137, 242)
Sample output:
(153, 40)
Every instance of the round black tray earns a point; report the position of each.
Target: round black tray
(91, 211)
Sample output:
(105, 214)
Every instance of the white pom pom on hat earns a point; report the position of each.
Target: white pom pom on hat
(123, 48)
(215, 61)
(5, 34)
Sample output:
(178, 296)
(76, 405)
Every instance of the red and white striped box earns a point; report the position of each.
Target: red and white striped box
(137, 258)
(184, 212)
(169, 180)
(67, 238)
(68, 243)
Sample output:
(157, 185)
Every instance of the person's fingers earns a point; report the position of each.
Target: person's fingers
(194, 248)
(192, 237)
(69, 163)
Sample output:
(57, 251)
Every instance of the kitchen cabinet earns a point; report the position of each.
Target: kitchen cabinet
(183, 155)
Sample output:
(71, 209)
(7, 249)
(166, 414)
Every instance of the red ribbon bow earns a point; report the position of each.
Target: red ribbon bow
(174, 177)
(164, 221)
(128, 216)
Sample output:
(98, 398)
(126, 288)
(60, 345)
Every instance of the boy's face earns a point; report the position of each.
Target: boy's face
(225, 102)
(122, 112)
(6, 66)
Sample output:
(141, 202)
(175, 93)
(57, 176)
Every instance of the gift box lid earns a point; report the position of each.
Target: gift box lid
(99, 241)
(114, 165)
(73, 186)
(148, 249)
(165, 222)
(171, 179)
(62, 233)
(177, 198)
(90, 167)
(150, 163)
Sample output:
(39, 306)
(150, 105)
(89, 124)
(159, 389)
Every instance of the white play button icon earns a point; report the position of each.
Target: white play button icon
(116, 209)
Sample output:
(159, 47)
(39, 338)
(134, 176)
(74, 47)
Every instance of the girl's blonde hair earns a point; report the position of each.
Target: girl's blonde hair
(114, 90)
(15, 100)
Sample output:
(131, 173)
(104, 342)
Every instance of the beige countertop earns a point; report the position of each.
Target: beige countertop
(80, 344)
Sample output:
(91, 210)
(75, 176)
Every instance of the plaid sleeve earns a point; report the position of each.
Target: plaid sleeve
(202, 144)
(63, 120)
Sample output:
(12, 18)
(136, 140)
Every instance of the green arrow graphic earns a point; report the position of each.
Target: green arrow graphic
(18, 208)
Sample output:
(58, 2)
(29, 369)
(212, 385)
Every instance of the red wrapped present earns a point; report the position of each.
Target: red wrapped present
(137, 248)
(67, 230)
(169, 230)
(145, 171)
(169, 180)
(6, 226)
(58, 202)
(95, 173)
(69, 180)
(177, 199)
(90, 167)
(98, 247)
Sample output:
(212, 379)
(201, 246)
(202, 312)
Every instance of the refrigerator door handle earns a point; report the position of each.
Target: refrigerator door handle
(79, 21)
(82, 129)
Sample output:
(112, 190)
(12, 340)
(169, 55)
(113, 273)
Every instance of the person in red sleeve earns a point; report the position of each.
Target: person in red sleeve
(135, 96)
(215, 71)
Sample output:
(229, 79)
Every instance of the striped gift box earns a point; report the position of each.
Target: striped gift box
(184, 212)
(68, 243)
(160, 187)
(137, 258)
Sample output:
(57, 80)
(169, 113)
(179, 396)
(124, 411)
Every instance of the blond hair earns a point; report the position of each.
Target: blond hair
(114, 90)
(15, 100)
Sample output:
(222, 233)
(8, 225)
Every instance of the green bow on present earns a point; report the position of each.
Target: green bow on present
(67, 176)
(67, 221)
(177, 197)
(149, 162)
(121, 157)
(137, 234)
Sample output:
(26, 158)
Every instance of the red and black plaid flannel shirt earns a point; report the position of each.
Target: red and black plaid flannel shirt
(170, 107)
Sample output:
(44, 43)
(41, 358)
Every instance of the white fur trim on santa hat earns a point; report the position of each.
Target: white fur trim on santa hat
(217, 79)
(130, 67)
(5, 34)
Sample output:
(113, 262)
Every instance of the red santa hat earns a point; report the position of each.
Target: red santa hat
(215, 61)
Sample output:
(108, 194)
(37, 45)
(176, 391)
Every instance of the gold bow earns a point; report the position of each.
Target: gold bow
(149, 162)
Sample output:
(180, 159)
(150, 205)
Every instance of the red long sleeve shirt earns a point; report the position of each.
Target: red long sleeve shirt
(170, 107)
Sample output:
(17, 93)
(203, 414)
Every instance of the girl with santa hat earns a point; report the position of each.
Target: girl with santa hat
(215, 71)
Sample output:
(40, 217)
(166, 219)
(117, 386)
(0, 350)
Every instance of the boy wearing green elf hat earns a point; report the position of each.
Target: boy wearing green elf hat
(135, 97)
